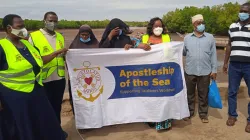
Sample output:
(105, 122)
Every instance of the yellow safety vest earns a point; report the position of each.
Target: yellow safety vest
(20, 75)
(165, 38)
(45, 48)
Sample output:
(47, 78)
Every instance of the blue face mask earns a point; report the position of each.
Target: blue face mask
(243, 16)
(201, 28)
(120, 32)
(85, 41)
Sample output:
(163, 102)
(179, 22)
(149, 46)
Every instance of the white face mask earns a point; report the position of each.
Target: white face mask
(50, 25)
(22, 33)
(158, 31)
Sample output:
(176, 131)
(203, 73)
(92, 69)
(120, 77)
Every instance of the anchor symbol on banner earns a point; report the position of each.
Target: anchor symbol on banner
(89, 81)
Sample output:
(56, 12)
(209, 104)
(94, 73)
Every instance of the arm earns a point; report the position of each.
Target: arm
(3, 61)
(48, 58)
(145, 47)
(106, 44)
(227, 56)
(214, 57)
(228, 52)
(184, 53)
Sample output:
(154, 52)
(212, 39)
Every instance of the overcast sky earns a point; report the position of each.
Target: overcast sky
(129, 10)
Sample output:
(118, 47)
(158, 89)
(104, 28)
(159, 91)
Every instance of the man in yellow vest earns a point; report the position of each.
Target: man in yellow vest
(49, 42)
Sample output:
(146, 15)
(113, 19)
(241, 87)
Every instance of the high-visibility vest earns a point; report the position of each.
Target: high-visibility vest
(45, 48)
(165, 38)
(20, 75)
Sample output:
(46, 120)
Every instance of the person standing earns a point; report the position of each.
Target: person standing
(85, 39)
(238, 51)
(200, 66)
(48, 42)
(25, 113)
(115, 36)
(156, 34)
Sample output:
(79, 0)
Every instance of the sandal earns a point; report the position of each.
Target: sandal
(231, 121)
(188, 118)
(204, 120)
(248, 127)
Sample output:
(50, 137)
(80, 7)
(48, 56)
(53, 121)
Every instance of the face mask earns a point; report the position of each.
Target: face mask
(85, 41)
(120, 32)
(22, 33)
(50, 26)
(158, 31)
(200, 28)
(243, 16)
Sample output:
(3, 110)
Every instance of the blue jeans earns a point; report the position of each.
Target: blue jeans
(236, 72)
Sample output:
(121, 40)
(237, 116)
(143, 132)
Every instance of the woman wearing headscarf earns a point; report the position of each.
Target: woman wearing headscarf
(26, 113)
(85, 39)
(115, 36)
(156, 34)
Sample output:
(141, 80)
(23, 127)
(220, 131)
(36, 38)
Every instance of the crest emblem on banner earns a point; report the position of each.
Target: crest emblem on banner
(89, 83)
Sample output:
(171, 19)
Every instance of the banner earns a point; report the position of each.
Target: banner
(115, 86)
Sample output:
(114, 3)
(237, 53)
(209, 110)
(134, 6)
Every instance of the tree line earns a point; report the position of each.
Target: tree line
(69, 24)
(217, 19)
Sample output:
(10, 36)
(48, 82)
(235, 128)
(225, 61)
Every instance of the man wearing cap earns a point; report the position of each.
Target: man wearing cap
(200, 66)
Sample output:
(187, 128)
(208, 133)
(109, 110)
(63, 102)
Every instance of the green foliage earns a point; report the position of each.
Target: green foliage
(217, 18)
(66, 24)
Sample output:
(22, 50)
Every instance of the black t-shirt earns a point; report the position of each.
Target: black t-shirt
(25, 53)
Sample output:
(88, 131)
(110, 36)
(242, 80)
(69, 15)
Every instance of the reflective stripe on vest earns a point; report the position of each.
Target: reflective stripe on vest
(45, 48)
(19, 76)
(165, 38)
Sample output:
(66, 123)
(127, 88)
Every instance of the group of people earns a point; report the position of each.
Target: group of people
(32, 71)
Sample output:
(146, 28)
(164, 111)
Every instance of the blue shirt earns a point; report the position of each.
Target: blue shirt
(200, 52)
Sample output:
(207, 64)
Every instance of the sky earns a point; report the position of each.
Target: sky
(128, 10)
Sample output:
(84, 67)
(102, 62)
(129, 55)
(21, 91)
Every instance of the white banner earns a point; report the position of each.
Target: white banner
(114, 86)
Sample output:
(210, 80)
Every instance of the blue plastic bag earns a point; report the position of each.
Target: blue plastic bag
(214, 99)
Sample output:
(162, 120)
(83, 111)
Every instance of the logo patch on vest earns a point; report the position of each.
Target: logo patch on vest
(36, 55)
(19, 58)
(60, 43)
(45, 49)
